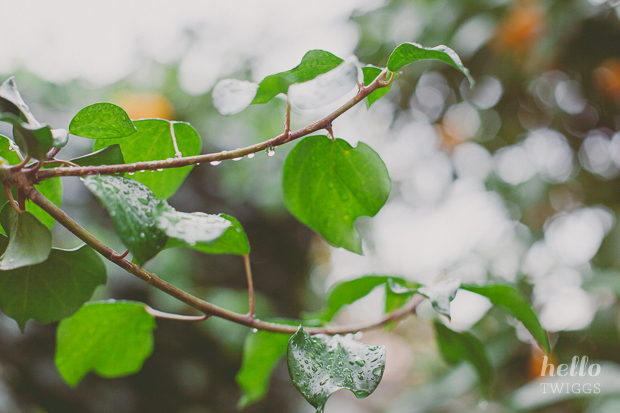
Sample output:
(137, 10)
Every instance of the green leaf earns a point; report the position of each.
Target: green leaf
(314, 63)
(152, 142)
(212, 234)
(113, 338)
(347, 292)
(7, 153)
(132, 207)
(320, 365)
(514, 303)
(262, 351)
(408, 53)
(457, 347)
(102, 121)
(11, 102)
(231, 96)
(111, 155)
(35, 141)
(370, 74)
(328, 184)
(30, 242)
(53, 289)
(441, 294)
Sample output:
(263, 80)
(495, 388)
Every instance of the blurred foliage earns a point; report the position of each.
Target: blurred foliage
(541, 65)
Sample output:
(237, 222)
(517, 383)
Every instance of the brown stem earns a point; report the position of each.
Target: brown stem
(21, 199)
(59, 215)
(20, 165)
(281, 139)
(9, 196)
(248, 273)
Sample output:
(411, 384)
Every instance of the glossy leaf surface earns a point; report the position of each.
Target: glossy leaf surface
(12, 102)
(30, 241)
(441, 294)
(209, 233)
(514, 303)
(328, 184)
(152, 142)
(53, 289)
(132, 207)
(408, 53)
(231, 96)
(456, 347)
(314, 63)
(320, 365)
(111, 155)
(102, 121)
(35, 141)
(113, 338)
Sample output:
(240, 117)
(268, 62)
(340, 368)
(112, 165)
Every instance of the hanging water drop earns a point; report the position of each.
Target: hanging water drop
(250, 155)
(271, 151)
(131, 173)
(255, 330)
(160, 169)
(237, 159)
(214, 163)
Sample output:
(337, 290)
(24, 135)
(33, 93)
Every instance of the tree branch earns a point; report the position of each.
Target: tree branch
(281, 139)
(210, 309)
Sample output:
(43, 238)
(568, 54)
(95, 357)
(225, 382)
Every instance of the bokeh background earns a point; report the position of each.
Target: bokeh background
(517, 180)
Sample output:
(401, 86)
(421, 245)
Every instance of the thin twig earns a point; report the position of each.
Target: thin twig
(248, 273)
(20, 165)
(195, 302)
(287, 122)
(281, 139)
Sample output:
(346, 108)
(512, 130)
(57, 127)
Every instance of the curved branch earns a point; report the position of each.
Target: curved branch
(210, 309)
(281, 139)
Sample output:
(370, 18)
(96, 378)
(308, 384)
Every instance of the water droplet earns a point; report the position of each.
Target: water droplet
(169, 160)
(250, 155)
(377, 371)
(142, 170)
(142, 235)
(113, 213)
(131, 173)
(360, 363)
(323, 382)
(237, 159)
(214, 163)
(11, 260)
(255, 330)
(271, 151)
(143, 201)
(197, 163)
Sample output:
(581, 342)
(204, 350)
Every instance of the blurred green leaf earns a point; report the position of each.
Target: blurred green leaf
(35, 141)
(514, 303)
(457, 347)
(132, 207)
(209, 233)
(441, 294)
(370, 74)
(347, 292)
(314, 63)
(328, 184)
(102, 121)
(231, 96)
(53, 289)
(30, 242)
(320, 365)
(12, 102)
(408, 53)
(153, 142)
(111, 338)
(111, 155)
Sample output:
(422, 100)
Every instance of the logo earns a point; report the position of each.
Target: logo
(578, 370)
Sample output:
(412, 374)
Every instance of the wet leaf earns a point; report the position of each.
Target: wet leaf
(231, 96)
(53, 289)
(441, 294)
(328, 184)
(457, 347)
(154, 142)
(12, 102)
(514, 303)
(30, 242)
(102, 121)
(408, 53)
(320, 365)
(111, 155)
(113, 338)
(209, 233)
(314, 63)
(132, 207)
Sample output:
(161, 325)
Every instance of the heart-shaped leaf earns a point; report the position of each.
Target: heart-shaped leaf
(113, 338)
(408, 53)
(132, 207)
(53, 289)
(314, 63)
(30, 241)
(102, 121)
(213, 234)
(153, 142)
(328, 184)
(320, 365)
(111, 155)
(457, 347)
(514, 303)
